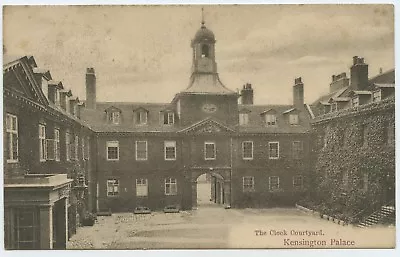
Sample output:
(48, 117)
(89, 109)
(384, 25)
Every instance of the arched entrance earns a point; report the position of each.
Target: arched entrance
(210, 189)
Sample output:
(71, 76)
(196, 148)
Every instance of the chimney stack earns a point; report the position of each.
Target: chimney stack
(247, 94)
(90, 88)
(298, 93)
(358, 74)
(338, 81)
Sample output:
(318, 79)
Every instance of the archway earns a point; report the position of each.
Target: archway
(208, 190)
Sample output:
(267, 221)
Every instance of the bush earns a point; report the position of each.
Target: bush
(88, 219)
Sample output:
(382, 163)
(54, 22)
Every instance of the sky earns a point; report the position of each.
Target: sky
(143, 54)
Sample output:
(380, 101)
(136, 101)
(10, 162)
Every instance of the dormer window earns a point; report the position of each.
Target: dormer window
(355, 101)
(334, 107)
(270, 119)
(377, 96)
(57, 97)
(243, 118)
(115, 117)
(45, 87)
(178, 108)
(140, 116)
(293, 119)
(168, 118)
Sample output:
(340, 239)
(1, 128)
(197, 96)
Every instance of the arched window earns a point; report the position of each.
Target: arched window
(204, 51)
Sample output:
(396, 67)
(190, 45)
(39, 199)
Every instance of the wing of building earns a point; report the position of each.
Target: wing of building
(47, 163)
(355, 147)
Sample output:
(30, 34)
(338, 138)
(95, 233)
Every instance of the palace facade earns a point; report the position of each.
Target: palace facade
(152, 154)
(355, 148)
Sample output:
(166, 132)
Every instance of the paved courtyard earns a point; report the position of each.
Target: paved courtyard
(211, 226)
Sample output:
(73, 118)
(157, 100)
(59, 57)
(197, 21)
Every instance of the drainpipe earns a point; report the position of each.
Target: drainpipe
(230, 188)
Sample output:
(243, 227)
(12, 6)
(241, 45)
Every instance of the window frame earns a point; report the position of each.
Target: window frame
(146, 185)
(334, 107)
(299, 154)
(278, 188)
(142, 117)
(115, 117)
(115, 185)
(67, 146)
(165, 150)
(294, 119)
(109, 145)
(269, 150)
(57, 148)
(248, 187)
(270, 119)
(295, 186)
(355, 101)
(168, 117)
(243, 150)
(83, 147)
(379, 98)
(214, 152)
(243, 119)
(171, 182)
(42, 143)
(137, 142)
(12, 133)
(76, 148)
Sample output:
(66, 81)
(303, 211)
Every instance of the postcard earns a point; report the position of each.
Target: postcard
(199, 127)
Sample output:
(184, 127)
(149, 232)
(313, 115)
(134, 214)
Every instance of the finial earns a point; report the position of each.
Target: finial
(202, 18)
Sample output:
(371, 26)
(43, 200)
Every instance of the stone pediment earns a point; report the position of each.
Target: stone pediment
(207, 126)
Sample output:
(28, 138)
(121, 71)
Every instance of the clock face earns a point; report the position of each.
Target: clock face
(209, 108)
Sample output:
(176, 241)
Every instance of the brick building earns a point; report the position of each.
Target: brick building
(47, 163)
(152, 154)
(355, 147)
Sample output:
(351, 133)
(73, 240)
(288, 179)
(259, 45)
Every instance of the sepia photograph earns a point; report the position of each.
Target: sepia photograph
(260, 126)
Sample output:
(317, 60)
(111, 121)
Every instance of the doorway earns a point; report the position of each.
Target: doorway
(209, 190)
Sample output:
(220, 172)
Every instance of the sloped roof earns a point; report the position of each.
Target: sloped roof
(386, 79)
(97, 117)
(207, 84)
(256, 123)
(327, 97)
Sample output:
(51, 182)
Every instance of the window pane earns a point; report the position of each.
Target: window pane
(210, 150)
(141, 150)
(247, 150)
(273, 150)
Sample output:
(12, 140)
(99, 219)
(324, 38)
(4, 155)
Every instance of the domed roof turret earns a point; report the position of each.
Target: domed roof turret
(204, 34)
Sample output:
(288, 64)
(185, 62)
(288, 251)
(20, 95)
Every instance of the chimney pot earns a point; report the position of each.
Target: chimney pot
(359, 74)
(298, 92)
(355, 58)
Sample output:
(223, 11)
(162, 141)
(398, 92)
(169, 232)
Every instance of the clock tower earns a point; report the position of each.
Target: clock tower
(203, 46)
(206, 96)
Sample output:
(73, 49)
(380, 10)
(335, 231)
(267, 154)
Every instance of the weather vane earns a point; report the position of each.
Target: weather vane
(202, 16)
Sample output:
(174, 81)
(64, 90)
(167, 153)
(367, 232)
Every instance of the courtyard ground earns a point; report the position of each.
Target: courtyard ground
(211, 226)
